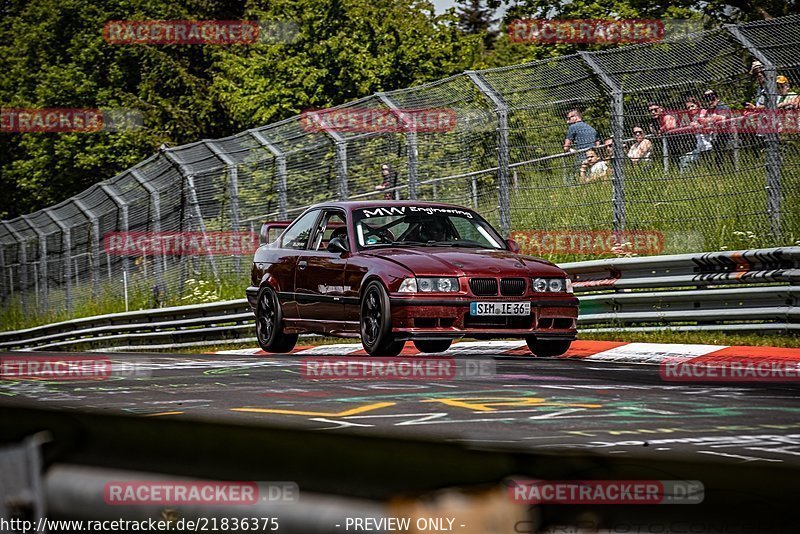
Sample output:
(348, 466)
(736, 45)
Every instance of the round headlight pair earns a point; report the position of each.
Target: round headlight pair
(429, 285)
(552, 285)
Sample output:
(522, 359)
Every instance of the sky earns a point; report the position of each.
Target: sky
(442, 5)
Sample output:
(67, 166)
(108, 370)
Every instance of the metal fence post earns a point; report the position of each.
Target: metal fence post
(233, 177)
(189, 177)
(501, 108)
(3, 284)
(412, 153)
(280, 163)
(95, 222)
(617, 134)
(66, 241)
(122, 204)
(41, 298)
(772, 141)
(155, 225)
(340, 145)
(22, 256)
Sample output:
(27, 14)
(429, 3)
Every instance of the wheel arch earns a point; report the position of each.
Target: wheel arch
(369, 278)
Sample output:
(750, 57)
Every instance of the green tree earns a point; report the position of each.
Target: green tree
(53, 54)
(475, 18)
(342, 50)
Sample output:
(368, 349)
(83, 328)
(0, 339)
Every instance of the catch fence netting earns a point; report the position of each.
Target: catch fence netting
(496, 146)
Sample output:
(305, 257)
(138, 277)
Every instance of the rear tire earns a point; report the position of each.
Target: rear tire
(434, 345)
(269, 323)
(547, 347)
(376, 322)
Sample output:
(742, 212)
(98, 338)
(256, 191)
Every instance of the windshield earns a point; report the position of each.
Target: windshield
(429, 226)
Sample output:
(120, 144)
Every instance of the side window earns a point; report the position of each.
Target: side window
(296, 237)
(332, 224)
(466, 230)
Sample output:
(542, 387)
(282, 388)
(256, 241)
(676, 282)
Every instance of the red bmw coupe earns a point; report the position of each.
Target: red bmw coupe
(392, 272)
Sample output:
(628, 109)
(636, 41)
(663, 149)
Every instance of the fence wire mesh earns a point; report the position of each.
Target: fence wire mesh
(503, 156)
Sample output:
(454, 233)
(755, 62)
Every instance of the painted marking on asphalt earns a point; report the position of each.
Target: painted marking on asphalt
(162, 413)
(740, 457)
(489, 404)
(345, 413)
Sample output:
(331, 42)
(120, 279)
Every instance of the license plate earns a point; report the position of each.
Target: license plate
(499, 308)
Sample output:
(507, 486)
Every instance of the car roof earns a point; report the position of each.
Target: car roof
(352, 205)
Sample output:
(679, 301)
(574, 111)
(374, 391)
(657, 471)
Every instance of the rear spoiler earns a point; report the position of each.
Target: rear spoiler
(271, 230)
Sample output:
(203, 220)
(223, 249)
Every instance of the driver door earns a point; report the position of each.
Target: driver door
(319, 275)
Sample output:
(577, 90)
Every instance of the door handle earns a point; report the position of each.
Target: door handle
(302, 264)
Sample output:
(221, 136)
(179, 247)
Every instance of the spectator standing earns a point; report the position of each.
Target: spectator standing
(661, 121)
(580, 136)
(697, 116)
(761, 94)
(389, 180)
(718, 118)
(642, 148)
(664, 124)
(786, 99)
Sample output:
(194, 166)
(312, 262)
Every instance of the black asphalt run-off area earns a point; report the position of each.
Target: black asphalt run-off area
(531, 403)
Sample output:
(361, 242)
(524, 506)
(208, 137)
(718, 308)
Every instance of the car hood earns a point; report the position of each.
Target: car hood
(439, 261)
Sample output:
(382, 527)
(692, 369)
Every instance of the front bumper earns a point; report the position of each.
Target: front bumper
(439, 317)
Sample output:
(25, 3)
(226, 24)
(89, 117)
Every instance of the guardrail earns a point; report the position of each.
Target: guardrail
(752, 290)
(739, 290)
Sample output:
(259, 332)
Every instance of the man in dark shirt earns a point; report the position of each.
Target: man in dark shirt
(580, 136)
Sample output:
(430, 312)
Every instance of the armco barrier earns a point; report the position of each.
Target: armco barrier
(752, 290)
(738, 290)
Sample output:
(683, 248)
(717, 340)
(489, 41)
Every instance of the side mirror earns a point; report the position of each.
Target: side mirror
(513, 246)
(338, 245)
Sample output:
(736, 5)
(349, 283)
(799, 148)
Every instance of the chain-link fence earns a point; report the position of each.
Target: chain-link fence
(504, 156)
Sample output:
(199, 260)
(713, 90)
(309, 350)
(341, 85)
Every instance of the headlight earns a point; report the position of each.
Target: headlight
(552, 285)
(539, 285)
(429, 285)
(409, 285)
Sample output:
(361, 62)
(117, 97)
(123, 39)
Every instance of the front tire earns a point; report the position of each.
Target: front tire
(547, 347)
(376, 322)
(433, 345)
(269, 323)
